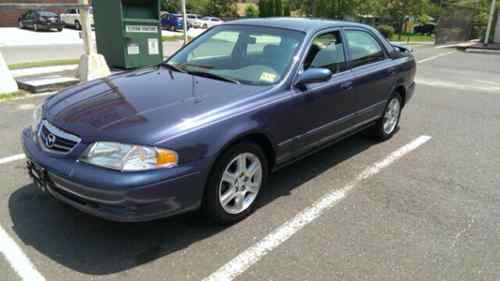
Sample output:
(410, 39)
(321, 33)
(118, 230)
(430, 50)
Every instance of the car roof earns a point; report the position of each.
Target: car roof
(300, 24)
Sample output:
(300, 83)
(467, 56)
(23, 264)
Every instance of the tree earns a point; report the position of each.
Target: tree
(171, 6)
(278, 9)
(251, 11)
(286, 10)
(266, 8)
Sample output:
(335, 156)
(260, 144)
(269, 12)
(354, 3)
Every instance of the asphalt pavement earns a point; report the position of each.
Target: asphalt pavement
(432, 213)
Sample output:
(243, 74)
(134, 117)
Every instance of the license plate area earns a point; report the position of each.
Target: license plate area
(38, 174)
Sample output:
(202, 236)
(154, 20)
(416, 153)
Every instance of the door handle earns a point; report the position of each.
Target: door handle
(346, 85)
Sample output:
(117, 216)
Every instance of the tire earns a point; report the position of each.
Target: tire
(387, 126)
(78, 26)
(205, 26)
(246, 187)
(60, 29)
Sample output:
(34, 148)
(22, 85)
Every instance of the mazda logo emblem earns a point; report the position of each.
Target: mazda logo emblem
(50, 141)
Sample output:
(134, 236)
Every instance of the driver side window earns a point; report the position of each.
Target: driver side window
(326, 51)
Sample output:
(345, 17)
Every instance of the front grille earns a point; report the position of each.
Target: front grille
(55, 140)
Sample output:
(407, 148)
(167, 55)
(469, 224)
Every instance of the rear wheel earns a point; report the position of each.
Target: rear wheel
(235, 183)
(387, 126)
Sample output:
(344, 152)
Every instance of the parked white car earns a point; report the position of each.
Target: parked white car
(72, 18)
(194, 20)
(207, 22)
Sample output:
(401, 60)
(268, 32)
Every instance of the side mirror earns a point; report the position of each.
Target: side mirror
(400, 51)
(314, 75)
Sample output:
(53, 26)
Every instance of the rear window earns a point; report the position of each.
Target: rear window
(47, 14)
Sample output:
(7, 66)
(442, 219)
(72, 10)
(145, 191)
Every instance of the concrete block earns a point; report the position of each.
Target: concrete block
(92, 67)
(7, 82)
(46, 83)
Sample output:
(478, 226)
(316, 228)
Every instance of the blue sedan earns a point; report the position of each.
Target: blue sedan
(172, 22)
(205, 129)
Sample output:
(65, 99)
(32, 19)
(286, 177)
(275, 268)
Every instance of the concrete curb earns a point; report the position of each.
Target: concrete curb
(36, 71)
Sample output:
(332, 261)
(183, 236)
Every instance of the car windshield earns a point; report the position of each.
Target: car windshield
(246, 54)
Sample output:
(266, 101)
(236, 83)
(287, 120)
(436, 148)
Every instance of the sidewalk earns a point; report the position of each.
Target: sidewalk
(13, 36)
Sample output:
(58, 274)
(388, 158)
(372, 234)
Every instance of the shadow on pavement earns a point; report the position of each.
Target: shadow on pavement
(94, 246)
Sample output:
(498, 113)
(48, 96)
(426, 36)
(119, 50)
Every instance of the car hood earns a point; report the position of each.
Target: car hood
(144, 106)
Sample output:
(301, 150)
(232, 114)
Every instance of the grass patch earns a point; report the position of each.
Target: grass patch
(412, 38)
(43, 63)
(14, 95)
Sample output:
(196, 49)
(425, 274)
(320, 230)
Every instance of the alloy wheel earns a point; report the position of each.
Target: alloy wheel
(240, 183)
(391, 115)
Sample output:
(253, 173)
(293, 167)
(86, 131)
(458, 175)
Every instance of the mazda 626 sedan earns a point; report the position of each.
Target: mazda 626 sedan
(204, 129)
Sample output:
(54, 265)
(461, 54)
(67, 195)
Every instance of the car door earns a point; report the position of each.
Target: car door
(28, 19)
(373, 70)
(327, 107)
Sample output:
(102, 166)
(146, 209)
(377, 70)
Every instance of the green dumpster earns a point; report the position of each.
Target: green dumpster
(128, 32)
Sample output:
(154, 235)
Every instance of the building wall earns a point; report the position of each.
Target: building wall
(9, 15)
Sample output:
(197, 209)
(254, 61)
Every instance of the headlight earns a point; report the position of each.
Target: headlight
(128, 157)
(37, 118)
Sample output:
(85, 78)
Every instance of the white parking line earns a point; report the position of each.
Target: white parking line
(17, 259)
(12, 158)
(253, 254)
(435, 57)
(458, 86)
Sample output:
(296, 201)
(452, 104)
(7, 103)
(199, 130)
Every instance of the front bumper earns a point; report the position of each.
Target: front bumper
(113, 195)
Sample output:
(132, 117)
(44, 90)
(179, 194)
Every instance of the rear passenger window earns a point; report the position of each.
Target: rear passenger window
(364, 48)
(326, 51)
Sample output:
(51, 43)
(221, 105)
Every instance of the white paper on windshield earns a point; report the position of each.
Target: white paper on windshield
(267, 76)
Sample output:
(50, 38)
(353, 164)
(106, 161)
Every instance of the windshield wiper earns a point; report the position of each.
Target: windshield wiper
(173, 67)
(213, 76)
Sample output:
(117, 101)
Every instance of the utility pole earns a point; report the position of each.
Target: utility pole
(92, 65)
(86, 29)
(490, 22)
(184, 19)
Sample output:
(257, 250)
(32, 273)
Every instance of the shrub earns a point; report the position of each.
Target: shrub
(251, 11)
(386, 30)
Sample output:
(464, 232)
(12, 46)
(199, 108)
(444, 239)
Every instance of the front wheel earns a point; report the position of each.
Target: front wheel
(387, 126)
(235, 183)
